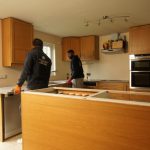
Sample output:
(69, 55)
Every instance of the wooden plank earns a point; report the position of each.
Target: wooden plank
(56, 123)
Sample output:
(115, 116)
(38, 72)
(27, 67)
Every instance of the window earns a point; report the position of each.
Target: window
(49, 50)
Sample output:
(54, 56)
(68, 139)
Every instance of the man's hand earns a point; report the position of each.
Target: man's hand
(69, 81)
(17, 89)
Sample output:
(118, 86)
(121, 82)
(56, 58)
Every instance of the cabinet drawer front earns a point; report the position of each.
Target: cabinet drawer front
(112, 86)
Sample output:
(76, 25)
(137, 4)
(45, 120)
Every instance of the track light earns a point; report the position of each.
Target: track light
(86, 24)
(111, 19)
(99, 22)
(126, 19)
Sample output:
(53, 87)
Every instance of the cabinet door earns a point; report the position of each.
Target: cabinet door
(140, 40)
(75, 45)
(65, 47)
(89, 48)
(112, 86)
(22, 41)
(70, 43)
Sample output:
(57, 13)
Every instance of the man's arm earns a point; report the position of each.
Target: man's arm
(28, 64)
(75, 68)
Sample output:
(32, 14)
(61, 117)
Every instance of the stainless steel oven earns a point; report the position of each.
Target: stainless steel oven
(140, 72)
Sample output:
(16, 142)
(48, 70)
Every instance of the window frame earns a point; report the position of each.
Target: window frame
(52, 54)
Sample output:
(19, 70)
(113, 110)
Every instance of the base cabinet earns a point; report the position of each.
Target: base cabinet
(10, 116)
(120, 86)
(60, 123)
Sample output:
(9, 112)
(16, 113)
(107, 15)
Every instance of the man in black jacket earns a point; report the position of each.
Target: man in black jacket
(37, 68)
(77, 74)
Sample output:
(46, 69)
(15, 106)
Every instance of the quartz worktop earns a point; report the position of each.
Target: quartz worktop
(9, 89)
(102, 80)
(57, 82)
(91, 97)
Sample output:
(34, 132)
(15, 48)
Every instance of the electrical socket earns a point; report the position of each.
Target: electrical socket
(3, 76)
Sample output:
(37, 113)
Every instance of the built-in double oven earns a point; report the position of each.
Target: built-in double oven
(140, 72)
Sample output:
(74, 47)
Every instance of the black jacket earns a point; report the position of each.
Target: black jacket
(76, 68)
(36, 71)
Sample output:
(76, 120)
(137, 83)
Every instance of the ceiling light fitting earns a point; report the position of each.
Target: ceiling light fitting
(111, 19)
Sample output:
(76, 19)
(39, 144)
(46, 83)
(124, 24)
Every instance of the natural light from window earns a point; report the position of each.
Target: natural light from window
(49, 50)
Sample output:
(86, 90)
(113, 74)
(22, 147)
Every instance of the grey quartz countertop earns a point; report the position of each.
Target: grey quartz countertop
(8, 89)
(45, 92)
(99, 80)
(57, 82)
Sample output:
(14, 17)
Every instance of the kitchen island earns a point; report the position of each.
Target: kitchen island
(85, 119)
(10, 112)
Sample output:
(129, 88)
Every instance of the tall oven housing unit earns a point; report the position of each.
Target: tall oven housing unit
(140, 72)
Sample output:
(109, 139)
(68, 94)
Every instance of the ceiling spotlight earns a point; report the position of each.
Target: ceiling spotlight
(105, 17)
(126, 19)
(99, 22)
(86, 24)
(111, 20)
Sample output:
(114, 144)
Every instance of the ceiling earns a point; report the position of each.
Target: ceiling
(66, 17)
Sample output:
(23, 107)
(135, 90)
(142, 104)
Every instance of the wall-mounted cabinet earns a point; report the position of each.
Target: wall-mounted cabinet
(89, 48)
(17, 39)
(139, 40)
(70, 43)
(85, 47)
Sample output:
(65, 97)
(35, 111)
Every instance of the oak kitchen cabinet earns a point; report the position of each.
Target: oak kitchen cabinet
(91, 122)
(113, 85)
(139, 40)
(70, 43)
(85, 47)
(17, 39)
(90, 48)
(10, 117)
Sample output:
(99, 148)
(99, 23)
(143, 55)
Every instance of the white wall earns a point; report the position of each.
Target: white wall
(109, 67)
(14, 73)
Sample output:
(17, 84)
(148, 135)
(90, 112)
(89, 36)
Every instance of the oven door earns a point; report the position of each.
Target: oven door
(140, 65)
(140, 79)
